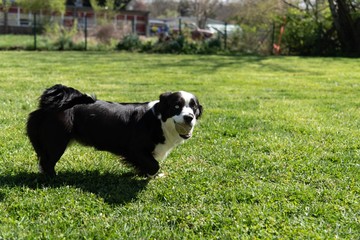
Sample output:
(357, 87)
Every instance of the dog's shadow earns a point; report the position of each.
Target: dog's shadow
(113, 188)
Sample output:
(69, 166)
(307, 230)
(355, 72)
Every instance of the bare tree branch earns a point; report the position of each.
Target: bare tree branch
(291, 5)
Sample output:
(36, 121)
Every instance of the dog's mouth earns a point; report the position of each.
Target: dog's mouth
(185, 136)
(184, 130)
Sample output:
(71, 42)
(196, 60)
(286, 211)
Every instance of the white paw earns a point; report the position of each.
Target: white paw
(157, 175)
(161, 175)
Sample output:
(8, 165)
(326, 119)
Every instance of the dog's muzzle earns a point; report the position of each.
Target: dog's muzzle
(185, 128)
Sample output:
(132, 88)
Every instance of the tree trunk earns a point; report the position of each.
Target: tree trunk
(348, 29)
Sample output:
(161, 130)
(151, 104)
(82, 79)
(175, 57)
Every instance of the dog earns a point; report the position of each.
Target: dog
(142, 133)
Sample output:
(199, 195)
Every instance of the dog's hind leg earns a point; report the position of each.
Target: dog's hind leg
(53, 150)
(54, 142)
(49, 139)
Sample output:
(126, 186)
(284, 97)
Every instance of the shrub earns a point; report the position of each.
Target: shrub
(211, 46)
(105, 33)
(172, 44)
(306, 36)
(168, 46)
(147, 46)
(63, 38)
(129, 43)
(234, 41)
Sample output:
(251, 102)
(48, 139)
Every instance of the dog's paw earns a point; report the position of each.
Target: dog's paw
(161, 175)
(157, 175)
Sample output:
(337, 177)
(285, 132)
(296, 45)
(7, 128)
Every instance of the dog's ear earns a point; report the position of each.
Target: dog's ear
(164, 96)
(160, 108)
(199, 111)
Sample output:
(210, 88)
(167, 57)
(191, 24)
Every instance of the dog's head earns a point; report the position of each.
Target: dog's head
(180, 110)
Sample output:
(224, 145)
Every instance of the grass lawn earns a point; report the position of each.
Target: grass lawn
(276, 154)
(50, 42)
(17, 41)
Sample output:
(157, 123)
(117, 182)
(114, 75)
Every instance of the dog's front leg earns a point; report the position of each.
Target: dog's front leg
(145, 164)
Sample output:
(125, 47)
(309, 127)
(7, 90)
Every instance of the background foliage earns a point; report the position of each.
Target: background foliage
(319, 27)
(298, 27)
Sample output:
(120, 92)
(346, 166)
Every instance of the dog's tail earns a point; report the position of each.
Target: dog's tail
(60, 97)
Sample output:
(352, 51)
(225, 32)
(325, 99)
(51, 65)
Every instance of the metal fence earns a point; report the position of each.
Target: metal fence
(18, 21)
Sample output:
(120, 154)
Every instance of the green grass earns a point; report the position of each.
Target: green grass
(52, 42)
(276, 154)
(19, 41)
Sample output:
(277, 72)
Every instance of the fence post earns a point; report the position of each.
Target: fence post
(133, 26)
(85, 31)
(34, 30)
(225, 36)
(180, 33)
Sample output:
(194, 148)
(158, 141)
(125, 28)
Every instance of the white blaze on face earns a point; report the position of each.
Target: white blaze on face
(186, 110)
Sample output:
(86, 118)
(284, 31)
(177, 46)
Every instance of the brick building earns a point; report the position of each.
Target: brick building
(20, 21)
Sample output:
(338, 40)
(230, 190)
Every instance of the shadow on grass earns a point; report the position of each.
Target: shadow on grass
(203, 64)
(113, 188)
(209, 64)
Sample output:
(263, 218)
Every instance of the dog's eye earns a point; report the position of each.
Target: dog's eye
(177, 106)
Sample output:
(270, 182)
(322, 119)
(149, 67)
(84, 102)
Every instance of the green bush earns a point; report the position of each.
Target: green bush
(191, 47)
(306, 36)
(62, 38)
(146, 46)
(129, 43)
(173, 44)
(212, 46)
(168, 46)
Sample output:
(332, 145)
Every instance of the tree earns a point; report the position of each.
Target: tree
(204, 9)
(201, 9)
(227, 12)
(184, 8)
(309, 29)
(37, 5)
(163, 8)
(325, 27)
(346, 17)
(110, 4)
(256, 18)
(139, 5)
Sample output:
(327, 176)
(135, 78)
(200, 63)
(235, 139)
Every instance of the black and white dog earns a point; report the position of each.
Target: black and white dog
(143, 133)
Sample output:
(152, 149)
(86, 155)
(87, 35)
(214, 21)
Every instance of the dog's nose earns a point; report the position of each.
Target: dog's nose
(188, 118)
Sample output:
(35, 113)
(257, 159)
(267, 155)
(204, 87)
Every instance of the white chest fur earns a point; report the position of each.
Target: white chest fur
(172, 139)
